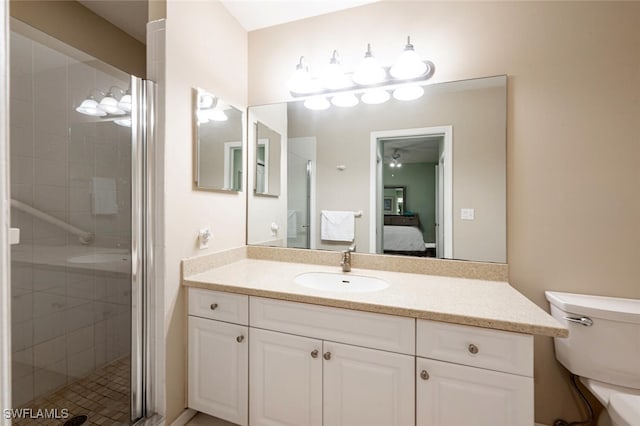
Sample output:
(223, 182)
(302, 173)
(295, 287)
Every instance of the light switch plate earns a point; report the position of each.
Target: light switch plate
(14, 236)
(467, 214)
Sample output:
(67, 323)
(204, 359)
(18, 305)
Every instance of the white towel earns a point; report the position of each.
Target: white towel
(292, 223)
(337, 225)
(103, 196)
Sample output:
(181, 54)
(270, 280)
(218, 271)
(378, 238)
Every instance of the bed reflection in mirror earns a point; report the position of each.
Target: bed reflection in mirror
(429, 175)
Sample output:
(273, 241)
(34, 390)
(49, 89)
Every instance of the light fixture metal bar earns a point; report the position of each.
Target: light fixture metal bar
(389, 83)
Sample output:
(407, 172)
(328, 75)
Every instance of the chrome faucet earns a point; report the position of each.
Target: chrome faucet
(346, 258)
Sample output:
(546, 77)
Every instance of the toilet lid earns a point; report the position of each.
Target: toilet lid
(624, 409)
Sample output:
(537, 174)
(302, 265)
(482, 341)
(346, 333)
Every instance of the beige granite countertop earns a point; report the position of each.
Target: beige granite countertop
(489, 304)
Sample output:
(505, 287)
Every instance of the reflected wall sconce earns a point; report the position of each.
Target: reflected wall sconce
(109, 106)
(210, 108)
(374, 83)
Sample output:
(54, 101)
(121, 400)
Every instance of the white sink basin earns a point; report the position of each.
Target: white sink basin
(346, 283)
(100, 258)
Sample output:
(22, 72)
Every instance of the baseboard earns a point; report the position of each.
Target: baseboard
(184, 418)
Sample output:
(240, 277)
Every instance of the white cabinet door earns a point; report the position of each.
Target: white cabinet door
(367, 387)
(218, 369)
(449, 394)
(285, 379)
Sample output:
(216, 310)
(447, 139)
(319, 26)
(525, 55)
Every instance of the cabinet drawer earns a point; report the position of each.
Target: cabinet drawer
(378, 331)
(219, 305)
(478, 347)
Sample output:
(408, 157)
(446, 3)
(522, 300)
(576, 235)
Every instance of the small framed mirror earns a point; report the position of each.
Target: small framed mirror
(268, 146)
(395, 200)
(218, 143)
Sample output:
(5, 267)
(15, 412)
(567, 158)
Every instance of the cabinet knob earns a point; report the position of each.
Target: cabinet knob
(239, 339)
(424, 375)
(473, 348)
(327, 356)
(214, 306)
(314, 353)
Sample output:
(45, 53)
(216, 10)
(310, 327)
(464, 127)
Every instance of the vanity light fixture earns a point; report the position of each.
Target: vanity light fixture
(124, 122)
(89, 106)
(217, 115)
(408, 93)
(318, 103)
(333, 77)
(206, 101)
(345, 100)
(300, 81)
(369, 72)
(409, 64)
(375, 96)
(108, 105)
(125, 102)
(210, 109)
(369, 79)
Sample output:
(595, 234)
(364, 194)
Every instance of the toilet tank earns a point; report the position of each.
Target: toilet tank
(607, 350)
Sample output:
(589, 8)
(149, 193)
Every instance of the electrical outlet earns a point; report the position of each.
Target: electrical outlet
(204, 236)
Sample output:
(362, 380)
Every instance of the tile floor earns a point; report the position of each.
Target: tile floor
(103, 396)
(202, 419)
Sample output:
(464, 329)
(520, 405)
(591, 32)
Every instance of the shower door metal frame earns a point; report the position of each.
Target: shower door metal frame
(142, 259)
(5, 283)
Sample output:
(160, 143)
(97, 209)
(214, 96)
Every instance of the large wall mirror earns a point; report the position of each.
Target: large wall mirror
(425, 177)
(218, 143)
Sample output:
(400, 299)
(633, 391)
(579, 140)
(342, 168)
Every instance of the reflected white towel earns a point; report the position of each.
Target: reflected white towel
(292, 223)
(337, 225)
(103, 196)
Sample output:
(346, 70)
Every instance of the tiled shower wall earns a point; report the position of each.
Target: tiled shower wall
(65, 321)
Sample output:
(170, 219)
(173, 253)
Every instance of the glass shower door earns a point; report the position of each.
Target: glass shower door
(72, 273)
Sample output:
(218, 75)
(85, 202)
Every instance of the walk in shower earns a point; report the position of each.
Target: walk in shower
(77, 193)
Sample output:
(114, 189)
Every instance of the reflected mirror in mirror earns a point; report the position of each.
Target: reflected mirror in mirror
(446, 150)
(394, 201)
(218, 143)
(267, 170)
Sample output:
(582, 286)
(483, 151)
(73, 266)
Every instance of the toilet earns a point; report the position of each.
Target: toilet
(603, 348)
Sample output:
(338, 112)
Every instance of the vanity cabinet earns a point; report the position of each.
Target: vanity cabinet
(367, 387)
(285, 378)
(307, 381)
(262, 361)
(470, 375)
(450, 394)
(218, 355)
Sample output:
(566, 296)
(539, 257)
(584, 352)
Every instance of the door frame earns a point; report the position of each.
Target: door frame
(229, 148)
(313, 221)
(375, 199)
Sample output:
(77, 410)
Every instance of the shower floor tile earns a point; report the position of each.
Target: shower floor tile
(103, 396)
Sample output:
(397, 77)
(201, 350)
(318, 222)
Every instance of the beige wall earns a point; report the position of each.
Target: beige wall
(205, 47)
(74, 24)
(573, 157)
